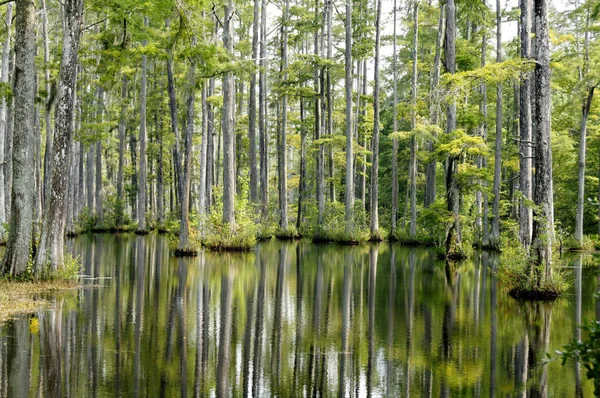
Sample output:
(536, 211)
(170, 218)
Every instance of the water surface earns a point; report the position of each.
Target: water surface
(292, 319)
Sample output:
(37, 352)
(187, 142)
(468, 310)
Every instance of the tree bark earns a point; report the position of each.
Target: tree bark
(184, 246)
(525, 211)
(262, 113)
(98, 186)
(414, 147)
(21, 214)
(395, 192)
(228, 123)
(49, 104)
(581, 169)
(543, 192)
(174, 124)
(210, 147)
(122, 131)
(50, 254)
(453, 236)
(319, 121)
(430, 172)
(375, 139)
(141, 196)
(3, 116)
(349, 194)
(203, 151)
(282, 169)
(252, 107)
(495, 236)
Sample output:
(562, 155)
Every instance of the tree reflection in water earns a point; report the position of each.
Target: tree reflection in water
(291, 319)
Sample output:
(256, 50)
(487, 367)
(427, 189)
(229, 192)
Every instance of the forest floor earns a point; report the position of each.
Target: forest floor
(17, 298)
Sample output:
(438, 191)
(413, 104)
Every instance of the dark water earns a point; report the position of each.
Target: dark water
(291, 319)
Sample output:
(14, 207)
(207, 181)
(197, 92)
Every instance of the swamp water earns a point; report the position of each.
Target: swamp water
(292, 319)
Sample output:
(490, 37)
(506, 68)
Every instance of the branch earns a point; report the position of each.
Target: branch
(3, 2)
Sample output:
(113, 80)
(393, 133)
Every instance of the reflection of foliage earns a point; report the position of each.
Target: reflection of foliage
(586, 351)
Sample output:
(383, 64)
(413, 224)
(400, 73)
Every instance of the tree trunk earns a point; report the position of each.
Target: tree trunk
(49, 104)
(349, 194)
(50, 254)
(495, 236)
(414, 143)
(395, 125)
(252, 107)
(174, 125)
(98, 192)
(330, 102)
(453, 236)
(262, 113)
(543, 192)
(319, 78)
(282, 169)
(228, 123)
(184, 246)
(375, 139)
(141, 196)
(525, 211)
(203, 151)
(430, 176)
(210, 147)
(3, 117)
(18, 246)
(8, 148)
(302, 182)
(581, 172)
(122, 131)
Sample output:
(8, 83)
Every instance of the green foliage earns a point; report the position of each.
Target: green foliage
(87, 221)
(516, 275)
(68, 271)
(586, 351)
(240, 236)
(333, 227)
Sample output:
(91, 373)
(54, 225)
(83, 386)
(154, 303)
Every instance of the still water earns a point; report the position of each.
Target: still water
(292, 319)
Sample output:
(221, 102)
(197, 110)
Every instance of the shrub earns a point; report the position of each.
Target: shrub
(240, 236)
(515, 276)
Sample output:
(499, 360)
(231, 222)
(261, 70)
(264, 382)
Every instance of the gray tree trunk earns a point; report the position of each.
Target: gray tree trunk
(18, 246)
(252, 107)
(430, 170)
(349, 194)
(543, 192)
(453, 236)
(98, 186)
(414, 143)
(495, 236)
(122, 131)
(228, 123)
(375, 139)
(3, 116)
(581, 170)
(8, 145)
(210, 147)
(49, 104)
(319, 121)
(395, 192)
(330, 101)
(184, 246)
(89, 178)
(50, 254)
(141, 196)
(282, 169)
(525, 183)
(203, 149)
(174, 124)
(262, 113)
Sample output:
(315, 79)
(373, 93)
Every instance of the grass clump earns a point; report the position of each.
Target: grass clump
(289, 233)
(520, 279)
(239, 236)
(333, 227)
(590, 243)
(421, 238)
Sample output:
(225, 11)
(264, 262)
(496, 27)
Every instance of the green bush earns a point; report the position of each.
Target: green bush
(333, 227)
(587, 352)
(240, 236)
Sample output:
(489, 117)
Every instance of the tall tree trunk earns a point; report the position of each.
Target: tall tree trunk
(252, 107)
(89, 178)
(282, 169)
(319, 120)
(21, 214)
(160, 189)
(228, 123)
(414, 143)
(453, 236)
(174, 125)
(395, 125)
(543, 192)
(50, 254)
(525, 211)
(330, 102)
(495, 237)
(363, 168)
(375, 139)
(184, 246)
(349, 194)
(3, 116)
(210, 147)
(430, 176)
(8, 148)
(302, 182)
(203, 151)
(581, 169)
(49, 104)
(262, 113)
(98, 158)
(122, 131)
(141, 196)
